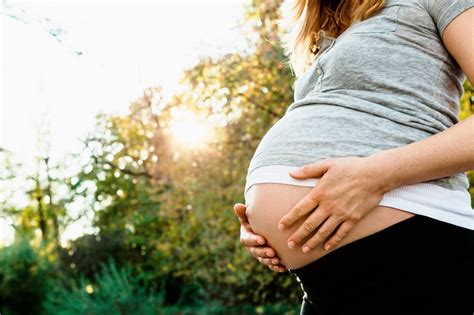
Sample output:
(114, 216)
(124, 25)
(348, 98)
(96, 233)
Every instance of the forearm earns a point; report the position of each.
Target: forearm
(441, 155)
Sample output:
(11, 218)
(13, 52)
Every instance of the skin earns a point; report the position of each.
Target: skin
(449, 152)
(267, 203)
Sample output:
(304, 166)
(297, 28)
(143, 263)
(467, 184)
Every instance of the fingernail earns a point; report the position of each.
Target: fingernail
(260, 241)
(281, 227)
(327, 247)
(294, 172)
(291, 244)
(274, 261)
(305, 249)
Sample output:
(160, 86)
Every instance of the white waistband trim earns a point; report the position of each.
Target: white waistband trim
(434, 201)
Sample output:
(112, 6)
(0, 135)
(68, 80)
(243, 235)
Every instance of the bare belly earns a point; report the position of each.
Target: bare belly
(268, 203)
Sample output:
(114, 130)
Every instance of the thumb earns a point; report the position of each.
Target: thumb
(239, 210)
(311, 170)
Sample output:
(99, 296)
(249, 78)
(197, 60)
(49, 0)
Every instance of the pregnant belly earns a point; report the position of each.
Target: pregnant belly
(267, 203)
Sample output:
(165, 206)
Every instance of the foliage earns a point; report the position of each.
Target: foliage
(171, 204)
(117, 290)
(114, 291)
(23, 279)
(467, 109)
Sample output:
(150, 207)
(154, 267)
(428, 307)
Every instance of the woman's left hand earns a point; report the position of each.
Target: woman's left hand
(349, 188)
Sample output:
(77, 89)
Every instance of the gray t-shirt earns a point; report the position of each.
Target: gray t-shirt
(385, 82)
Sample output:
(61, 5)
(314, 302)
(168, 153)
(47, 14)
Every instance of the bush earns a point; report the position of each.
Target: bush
(23, 279)
(114, 291)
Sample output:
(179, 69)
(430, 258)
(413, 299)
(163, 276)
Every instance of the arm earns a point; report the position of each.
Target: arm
(350, 187)
(451, 151)
(448, 152)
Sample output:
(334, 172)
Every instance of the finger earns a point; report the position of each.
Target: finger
(328, 227)
(311, 170)
(302, 208)
(239, 210)
(341, 233)
(265, 261)
(246, 232)
(248, 238)
(270, 262)
(277, 268)
(263, 252)
(310, 225)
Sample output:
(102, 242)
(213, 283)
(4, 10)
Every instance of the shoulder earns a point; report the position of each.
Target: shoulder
(443, 12)
(459, 41)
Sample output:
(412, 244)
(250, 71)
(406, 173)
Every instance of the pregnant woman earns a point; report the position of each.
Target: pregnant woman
(375, 124)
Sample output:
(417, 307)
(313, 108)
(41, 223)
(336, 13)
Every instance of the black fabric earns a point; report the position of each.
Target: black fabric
(417, 266)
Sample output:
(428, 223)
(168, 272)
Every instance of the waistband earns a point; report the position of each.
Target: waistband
(434, 201)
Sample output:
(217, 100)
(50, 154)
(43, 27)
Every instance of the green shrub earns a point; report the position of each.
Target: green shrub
(114, 291)
(23, 279)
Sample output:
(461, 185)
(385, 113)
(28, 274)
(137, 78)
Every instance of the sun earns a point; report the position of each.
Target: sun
(188, 129)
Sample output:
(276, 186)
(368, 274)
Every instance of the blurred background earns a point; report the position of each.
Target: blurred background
(126, 130)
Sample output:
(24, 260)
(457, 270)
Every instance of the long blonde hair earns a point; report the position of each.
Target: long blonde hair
(305, 19)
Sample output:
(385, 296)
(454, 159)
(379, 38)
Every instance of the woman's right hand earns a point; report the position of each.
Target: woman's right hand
(255, 243)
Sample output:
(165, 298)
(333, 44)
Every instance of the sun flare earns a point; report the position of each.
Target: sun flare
(188, 129)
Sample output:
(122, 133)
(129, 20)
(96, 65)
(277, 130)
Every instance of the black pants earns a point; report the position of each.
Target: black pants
(417, 266)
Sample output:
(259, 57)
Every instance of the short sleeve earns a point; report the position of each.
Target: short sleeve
(444, 11)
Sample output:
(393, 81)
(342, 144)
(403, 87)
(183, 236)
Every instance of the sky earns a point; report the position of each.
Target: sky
(124, 48)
